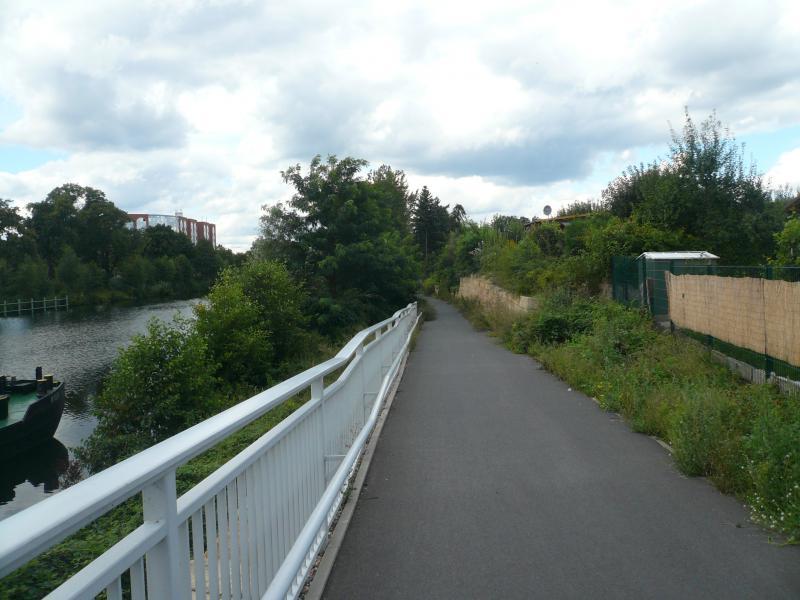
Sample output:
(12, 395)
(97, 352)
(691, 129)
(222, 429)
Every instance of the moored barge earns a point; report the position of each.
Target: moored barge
(30, 411)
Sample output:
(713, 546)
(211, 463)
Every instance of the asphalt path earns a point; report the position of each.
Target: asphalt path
(492, 479)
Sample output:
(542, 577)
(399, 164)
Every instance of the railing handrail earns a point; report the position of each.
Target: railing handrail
(33, 530)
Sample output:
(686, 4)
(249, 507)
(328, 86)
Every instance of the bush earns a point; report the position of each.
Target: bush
(253, 323)
(159, 385)
(561, 316)
(774, 464)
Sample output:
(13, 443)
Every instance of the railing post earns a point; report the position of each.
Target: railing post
(318, 393)
(362, 380)
(164, 576)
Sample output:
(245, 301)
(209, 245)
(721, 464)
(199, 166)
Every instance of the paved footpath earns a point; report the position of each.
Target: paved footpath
(492, 479)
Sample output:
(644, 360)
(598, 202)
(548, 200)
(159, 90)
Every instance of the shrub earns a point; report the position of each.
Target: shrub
(159, 385)
(253, 323)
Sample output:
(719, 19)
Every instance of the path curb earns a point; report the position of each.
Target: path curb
(316, 587)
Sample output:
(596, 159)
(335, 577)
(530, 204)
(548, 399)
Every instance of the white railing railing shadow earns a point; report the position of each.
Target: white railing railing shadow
(252, 528)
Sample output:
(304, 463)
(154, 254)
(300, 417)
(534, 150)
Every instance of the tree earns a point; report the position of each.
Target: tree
(705, 190)
(161, 240)
(253, 323)
(788, 244)
(158, 386)
(343, 236)
(16, 240)
(70, 272)
(53, 220)
(100, 229)
(580, 207)
(458, 218)
(30, 279)
(430, 222)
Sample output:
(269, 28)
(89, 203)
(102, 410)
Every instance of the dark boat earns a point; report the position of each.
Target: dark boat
(30, 410)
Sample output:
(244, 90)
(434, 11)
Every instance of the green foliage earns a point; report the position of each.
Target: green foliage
(81, 238)
(253, 323)
(560, 318)
(347, 239)
(788, 244)
(705, 191)
(159, 385)
(581, 207)
(70, 272)
(30, 279)
(430, 222)
(774, 464)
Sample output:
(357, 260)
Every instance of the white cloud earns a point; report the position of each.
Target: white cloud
(501, 106)
(786, 170)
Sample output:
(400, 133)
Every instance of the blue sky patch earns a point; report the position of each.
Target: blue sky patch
(15, 159)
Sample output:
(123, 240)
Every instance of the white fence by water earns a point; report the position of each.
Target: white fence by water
(253, 528)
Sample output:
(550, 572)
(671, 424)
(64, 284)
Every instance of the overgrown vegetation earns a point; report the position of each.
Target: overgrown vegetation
(75, 242)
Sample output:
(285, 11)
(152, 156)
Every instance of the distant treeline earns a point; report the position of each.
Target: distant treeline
(75, 242)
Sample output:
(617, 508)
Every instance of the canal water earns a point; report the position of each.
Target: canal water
(77, 346)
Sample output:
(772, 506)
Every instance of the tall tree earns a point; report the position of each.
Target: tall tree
(430, 222)
(342, 234)
(53, 220)
(704, 190)
(101, 234)
(458, 218)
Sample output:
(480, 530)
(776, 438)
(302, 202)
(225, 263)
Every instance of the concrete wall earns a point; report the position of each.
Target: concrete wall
(484, 291)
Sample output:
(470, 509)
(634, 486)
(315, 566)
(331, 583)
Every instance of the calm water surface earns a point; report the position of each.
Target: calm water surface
(78, 347)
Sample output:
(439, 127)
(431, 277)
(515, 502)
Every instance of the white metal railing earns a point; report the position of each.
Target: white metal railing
(251, 529)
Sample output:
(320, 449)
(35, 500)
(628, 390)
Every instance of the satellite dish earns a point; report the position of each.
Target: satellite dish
(547, 210)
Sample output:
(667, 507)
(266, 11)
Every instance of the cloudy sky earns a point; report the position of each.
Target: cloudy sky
(500, 106)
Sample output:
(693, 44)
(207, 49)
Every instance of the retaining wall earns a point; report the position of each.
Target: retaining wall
(484, 291)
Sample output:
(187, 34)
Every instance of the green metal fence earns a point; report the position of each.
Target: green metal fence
(626, 280)
(636, 284)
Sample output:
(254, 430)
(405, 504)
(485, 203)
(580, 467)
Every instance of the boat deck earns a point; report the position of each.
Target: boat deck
(17, 405)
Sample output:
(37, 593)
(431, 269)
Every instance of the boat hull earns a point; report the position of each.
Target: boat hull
(37, 426)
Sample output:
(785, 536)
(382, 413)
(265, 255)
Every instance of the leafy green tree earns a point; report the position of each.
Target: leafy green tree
(341, 235)
(206, 262)
(788, 244)
(704, 190)
(549, 237)
(160, 240)
(101, 233)
(159, 385)
(70, 272)
(137, 272)
(30, 279)
(253, 323)
(580, 207)
(390, 190)
(458, 218)
(53, 221)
